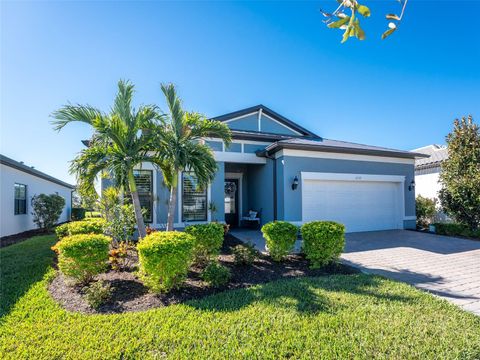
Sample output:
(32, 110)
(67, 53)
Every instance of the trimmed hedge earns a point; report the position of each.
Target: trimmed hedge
(323, 242)
(90, 226)
(456, 229)
(208, 240)
(165, 257)
(280, 237)
(62, 230)
(83, 256)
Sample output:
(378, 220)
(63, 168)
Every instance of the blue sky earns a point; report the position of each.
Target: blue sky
(402, 93)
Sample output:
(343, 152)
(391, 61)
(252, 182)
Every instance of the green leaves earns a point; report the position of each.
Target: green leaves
(337, 24)
(390, 31)
(363, 10)
(339, 20)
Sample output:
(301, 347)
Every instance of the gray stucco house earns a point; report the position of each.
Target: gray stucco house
(285, 172)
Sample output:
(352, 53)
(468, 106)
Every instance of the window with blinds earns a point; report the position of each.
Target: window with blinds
(194, 199)
(144, 182)
(20, 199)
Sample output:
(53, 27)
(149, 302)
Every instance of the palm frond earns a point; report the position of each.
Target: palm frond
(176, 115)
(122, 105)
(70, 113)
(202, 127)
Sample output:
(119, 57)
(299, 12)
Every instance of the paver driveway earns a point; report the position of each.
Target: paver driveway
(445, 266)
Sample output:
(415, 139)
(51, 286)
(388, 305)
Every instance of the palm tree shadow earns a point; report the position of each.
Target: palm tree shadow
(308, 295)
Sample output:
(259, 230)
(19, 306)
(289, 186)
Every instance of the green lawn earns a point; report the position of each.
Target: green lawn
(333, 317)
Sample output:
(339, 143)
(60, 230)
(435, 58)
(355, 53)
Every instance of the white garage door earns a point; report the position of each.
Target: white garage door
(359, 205)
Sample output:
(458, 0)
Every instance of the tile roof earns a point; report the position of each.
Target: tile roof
(435, 155)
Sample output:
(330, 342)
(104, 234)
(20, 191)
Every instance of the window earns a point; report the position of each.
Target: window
(143, 180)
(20, 199)
(194, 199)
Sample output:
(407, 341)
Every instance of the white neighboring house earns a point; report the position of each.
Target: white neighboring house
(18, 184)
(427, 170)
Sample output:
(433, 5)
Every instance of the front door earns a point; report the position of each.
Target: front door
(231, 202)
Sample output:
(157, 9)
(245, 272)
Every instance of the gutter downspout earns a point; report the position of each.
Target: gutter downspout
(268, 156)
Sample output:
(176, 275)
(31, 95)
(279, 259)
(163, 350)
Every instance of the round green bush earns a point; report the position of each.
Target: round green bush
(165, 257)
(62, 230)
(83, 256)
(208, 240)
(91, 226)
(323, 242)
(216, 274)
(280, 237)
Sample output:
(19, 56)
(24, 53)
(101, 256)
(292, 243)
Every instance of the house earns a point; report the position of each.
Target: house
(427, 170)
(285, 172)
(18, 184)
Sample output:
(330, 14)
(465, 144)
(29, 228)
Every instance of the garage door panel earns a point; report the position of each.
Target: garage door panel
(360, 205)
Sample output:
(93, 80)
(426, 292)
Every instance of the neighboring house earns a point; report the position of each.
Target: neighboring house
(18, 184)
(427, 170)
(285, 172)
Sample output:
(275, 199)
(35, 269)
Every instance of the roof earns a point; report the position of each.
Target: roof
(29, 170)
(435, 155)
(269, 112)
(329, 145)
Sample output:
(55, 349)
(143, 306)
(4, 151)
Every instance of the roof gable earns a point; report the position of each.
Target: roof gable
(263, 120)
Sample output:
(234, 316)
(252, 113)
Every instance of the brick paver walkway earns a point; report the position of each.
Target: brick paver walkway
(445, 266)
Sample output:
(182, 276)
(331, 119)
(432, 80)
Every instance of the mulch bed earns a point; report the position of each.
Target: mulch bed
(129, 294)
(13, 239)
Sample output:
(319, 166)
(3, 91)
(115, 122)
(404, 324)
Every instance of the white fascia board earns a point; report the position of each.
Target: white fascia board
(342, 156)
(240, 141)
(246, 158)
(351, 177)
(240, 117)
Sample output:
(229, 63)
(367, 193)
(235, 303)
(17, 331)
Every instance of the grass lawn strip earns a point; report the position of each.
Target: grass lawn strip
(329, 317)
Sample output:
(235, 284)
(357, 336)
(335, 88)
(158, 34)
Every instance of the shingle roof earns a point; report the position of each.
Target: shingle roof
(435, 155)
(330, 145)
(27, 169)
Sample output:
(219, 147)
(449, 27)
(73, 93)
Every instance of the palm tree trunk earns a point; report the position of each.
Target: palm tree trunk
(172, 202)
(142, 232)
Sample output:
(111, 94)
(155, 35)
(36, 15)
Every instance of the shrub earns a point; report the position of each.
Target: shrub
(216, 274)
(425, 210)
(62, 230)
(46, 210)
(91, 226)
(78, 214)
(456, 229)
(165, 258)
(460, 175)
(83, 256)
(244, 254)
(280, 237)
(98, 294)
(323, 242)
(121, 225)
(208, 240)
(118, 256)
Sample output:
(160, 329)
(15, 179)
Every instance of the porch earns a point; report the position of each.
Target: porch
(240, 188)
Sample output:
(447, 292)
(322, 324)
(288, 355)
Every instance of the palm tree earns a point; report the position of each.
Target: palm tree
(121, 140)
(180, 147)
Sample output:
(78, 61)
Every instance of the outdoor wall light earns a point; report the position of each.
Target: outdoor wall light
(295, 183)
(411, 186)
